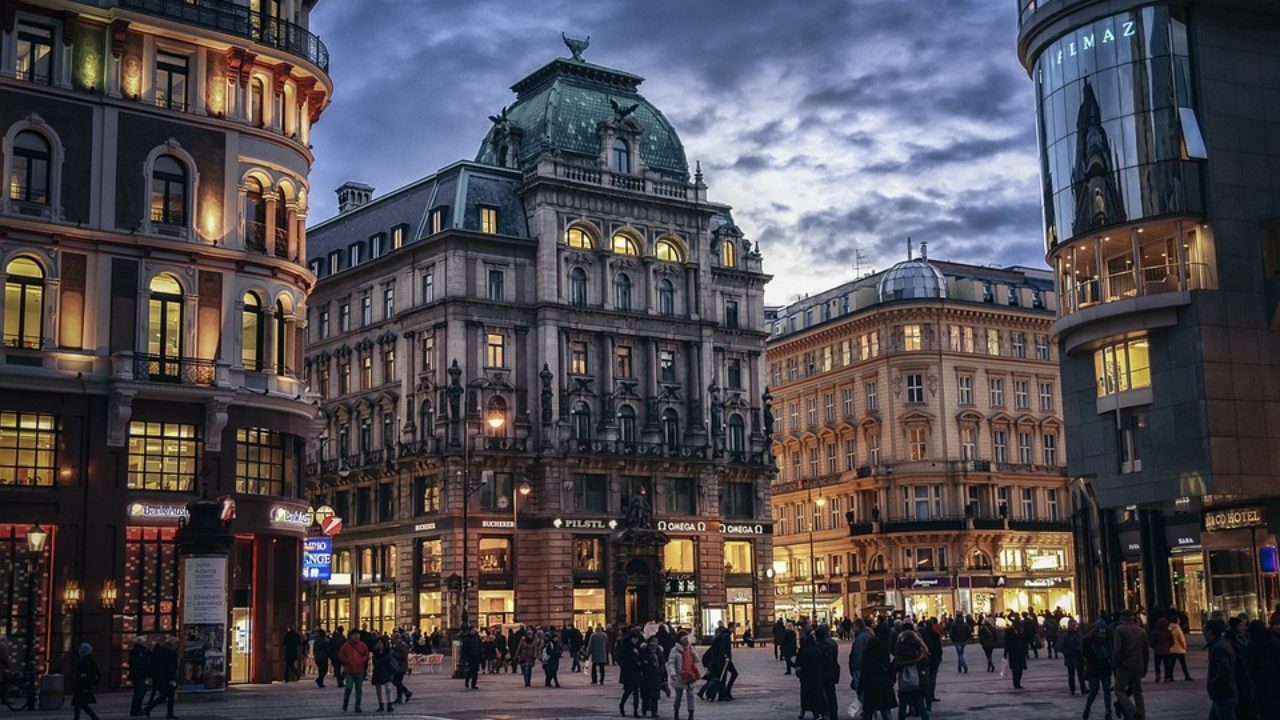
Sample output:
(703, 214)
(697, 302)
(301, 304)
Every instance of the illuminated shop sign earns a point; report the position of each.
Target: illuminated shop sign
(424, 527)
(742, 529)
(288, 516)
(317, 558)
(497, 524)
(681, 526)
(1046, 582)
(1087, 40)
(574, 524)
(1233, 518)
(162, 512)
(919, 583)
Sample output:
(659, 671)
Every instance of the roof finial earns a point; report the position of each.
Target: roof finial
(924, 251)
(697, 172)
(909, 256)
(576, 46)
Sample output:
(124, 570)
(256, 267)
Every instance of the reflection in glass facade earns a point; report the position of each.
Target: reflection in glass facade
(1111, 135)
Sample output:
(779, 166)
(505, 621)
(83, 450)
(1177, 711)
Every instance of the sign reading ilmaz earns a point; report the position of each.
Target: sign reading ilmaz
(1233, 518)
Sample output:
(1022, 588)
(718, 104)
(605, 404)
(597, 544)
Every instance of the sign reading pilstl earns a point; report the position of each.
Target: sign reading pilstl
(573, 524)
(317, 558)
(1233, 518)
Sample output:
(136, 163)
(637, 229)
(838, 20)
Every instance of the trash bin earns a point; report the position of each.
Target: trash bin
(53, 691)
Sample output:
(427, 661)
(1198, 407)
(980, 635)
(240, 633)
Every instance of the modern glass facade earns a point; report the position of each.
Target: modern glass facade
(1117, 126)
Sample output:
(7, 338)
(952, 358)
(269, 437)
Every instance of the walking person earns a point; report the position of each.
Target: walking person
(164, 676)
(1096, 649)
(810, 662)
(960, 633)
(86, 679)
(525, 656)
(382, 671)
(875, 681)
(830, 671)
(789, 647)
(598, 649)
(400, 666)
(932, 641)
(1178, 650)
(987, 639)
(682, 670)
(353, 658)
(139, 673)
(1221, 686)
(1161, 647)
(628, 658)
(1262, 660)
(1050, 630)
(336, 641)
(861, 637)
(292, 642)
(1129, 653)
(473, 655)
(652, 676)
(1071, 648)
(779, 629)
(1015, 651)
(911, 663)
(320, 653)
(551, 652)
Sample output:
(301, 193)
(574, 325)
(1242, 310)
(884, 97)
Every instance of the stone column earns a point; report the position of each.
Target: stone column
(272, 201)
(269, 320)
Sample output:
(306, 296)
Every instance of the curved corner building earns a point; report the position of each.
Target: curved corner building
(152, 248)
(1158, 153)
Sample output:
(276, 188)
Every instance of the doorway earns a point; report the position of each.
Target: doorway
(639, 603)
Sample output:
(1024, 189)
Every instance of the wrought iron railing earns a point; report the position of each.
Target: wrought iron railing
(239, 20)
(173, 369)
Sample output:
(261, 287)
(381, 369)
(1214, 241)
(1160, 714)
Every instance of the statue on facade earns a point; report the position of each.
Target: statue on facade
(639, 512)
(576, 46)
(768, 414)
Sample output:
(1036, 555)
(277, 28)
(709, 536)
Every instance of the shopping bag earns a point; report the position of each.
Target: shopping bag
(855, 709)
(1004, 667)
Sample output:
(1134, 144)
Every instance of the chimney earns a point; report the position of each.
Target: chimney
(352, 195)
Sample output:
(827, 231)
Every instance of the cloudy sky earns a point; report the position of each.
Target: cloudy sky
(831, 126)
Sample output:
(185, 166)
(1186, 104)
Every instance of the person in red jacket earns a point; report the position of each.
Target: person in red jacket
(354, 657)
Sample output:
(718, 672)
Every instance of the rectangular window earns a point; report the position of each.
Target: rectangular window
(590, 493)
(1042, 347)
(795, 416)
(335, 262)
(739, 501)
(828, 407)
(846, 352)
(911, 338)
(428, 352)
(578, 358)
(966, 389)
(813, 462)
(968, 443)
(1022, 394)
(322, 383)
(437, 220)
(733, 373)
(431, 557)
(497, 495)
(35, 53)
(915, 388)
(397, 237)
(997, 391)
(163, 456)
(1024, 448)
(355, 254)
(1123, 366)
(1018, 344)
(681, 498)
(389, 302)
(1000, 445)
(489, 220)
(993, 341)
(429, 284)
(1051, 501)
(324, 323)
(1046, 397)
(366, 372)
(386, 502)
(739, 558)
(344, 377)
(344, 318)
(850, 454)
(1028, 504)
(623, 367)
(846, 397)
(260, 462)
(426, 495)
(873, 402)
(828, 354)
(667, 366)
(171, 81)
(811, 410)
(28, 449)
(366, 310)
(1050, 444)
(495, 350)
(496, 291)
(588, 554)
(495, 556)
(731, 313)
(919, 441)
(389, 363)
(832, 467)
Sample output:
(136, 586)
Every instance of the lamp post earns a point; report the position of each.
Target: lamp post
(36, 539)
(813, 559)
(495, 418)
(523, 491)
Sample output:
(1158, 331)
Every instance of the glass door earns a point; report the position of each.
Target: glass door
(241, 644)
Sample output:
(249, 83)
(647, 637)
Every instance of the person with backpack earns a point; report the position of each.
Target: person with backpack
(1096, 649)
(911, 663)
(1016, 646)
(682, 669)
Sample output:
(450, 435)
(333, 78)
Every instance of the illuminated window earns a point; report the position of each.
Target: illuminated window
(260, 462)
(489, 220)
(24, 304)
(164, 327)
(919, 441)
(426, 495)
(578, 358)
(35, 53)
(911, 338)
(171, 81)
(169, 191)
(1012, 559)
(495, 350)
(162, 456)
(251, 333)
(667, 251)
(397, 237)
(1122, 366)
(578, 238)
(366, 371)
(624, 245)
(739, 557)
(28, 449)
(678, 556)
(430, 557)
(993, 341)
(495, 556)
(729, 254)
(29, 178)
(588, 554)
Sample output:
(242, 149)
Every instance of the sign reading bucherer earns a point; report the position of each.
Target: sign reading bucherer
(1232, 518)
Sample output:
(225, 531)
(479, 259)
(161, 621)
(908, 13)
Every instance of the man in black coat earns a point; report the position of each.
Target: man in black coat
(320, 651)
(164, 676)
(830, 670)
(139, 671)
(473, 655)
(336, 641)
(933, 641)
(292, 642)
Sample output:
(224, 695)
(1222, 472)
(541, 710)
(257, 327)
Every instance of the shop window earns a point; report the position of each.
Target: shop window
(588, 554)
(681, 496)
(739, 501)
(260, 462)
(590, 493)
(28, 449)
(678, 556)
(430, 557)
(495, 556)
(163, 456)
(149, 603)
(739, 558)
(430, 611)
(588, 608)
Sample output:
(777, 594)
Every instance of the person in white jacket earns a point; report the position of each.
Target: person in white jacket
(683, 671)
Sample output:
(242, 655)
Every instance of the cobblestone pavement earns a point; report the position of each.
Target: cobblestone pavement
(763, 692)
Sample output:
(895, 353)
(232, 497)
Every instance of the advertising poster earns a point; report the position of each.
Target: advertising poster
(317, 558)
(204, 624)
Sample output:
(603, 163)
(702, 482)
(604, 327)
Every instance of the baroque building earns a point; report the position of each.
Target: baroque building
(919, 445)
(1157, 172)
(540, 372)
(152, 250)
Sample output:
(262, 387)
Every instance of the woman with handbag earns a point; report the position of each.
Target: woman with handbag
(911, 663)
(682, 667)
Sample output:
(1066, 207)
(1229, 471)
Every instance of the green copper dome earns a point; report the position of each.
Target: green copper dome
(559, 109)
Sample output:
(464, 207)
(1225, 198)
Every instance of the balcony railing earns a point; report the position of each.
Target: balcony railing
(168, 368)
(282, 242)
(1152, 280)
(255, 237)
(240, 21)
(595, 176)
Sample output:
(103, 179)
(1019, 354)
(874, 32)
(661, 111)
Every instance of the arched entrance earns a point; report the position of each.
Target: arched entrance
(639, 602)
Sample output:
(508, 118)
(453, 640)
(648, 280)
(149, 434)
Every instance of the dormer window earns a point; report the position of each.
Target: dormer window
(729, 254)
(621, 157)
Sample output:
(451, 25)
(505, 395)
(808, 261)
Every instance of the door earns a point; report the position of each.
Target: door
(241, 644)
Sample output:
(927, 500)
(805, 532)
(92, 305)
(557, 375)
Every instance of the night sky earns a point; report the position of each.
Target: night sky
(827, 125)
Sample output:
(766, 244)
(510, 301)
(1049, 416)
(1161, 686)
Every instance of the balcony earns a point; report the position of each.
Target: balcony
(238, 20)
(604, 178)
(255, 237)
(170, 369)
(945, 523)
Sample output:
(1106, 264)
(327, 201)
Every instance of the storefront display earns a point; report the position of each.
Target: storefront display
(588, 608)
(496, 607)
(430, 610)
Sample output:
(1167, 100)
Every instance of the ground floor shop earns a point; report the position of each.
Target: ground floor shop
(1241, 567)
(927, 596)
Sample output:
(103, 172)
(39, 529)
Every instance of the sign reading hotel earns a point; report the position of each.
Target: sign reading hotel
(156, 512)
(1234, 518)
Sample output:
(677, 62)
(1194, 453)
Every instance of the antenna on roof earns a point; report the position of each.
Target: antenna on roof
(859, 257)
(908, 247)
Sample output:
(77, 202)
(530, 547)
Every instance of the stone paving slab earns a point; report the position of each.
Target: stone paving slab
(763, 692)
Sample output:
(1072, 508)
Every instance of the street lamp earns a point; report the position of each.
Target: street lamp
(495, 418)
(523, 491)
(813, 559)
(37, 537)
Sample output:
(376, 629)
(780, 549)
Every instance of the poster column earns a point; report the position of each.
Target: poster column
(204, 542)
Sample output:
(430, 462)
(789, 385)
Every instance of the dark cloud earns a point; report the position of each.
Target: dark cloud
(830, 125)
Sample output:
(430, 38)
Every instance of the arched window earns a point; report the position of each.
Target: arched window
(668, 251)
(164, 327)
(578, 287)
(627, 424)
(578, 238)
(624, 245)
(426, 422)
(621, 156)
(737, 434)
(29, 177)
(878, 564)
(282, 340)
(979, 561)
(282, 228)
(255, 216)
(258, 95)
(671, 428)
(666, 297)
(729, 254)
(581, 421)
(622, 292)
(169, 191)
(251, 322)
(24, 304)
